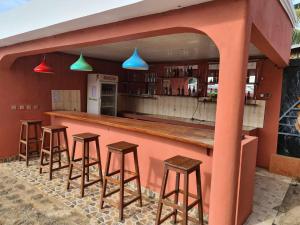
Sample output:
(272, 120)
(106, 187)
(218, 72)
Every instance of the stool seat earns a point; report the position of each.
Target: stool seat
(85, 136)
(122, 146)
(31, 122)
(182, 163)
(54, 127)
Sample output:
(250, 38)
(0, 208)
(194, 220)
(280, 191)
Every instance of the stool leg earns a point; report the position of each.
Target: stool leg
(20, 143)
(71, 164)
(83, 169)
(106, 172)
(162, 194)
(27, 144)
(99, 160)
(87, 161)
(176, 195)
(58, 144)
(67, 146)
(121, 203)
(199, 196)
(185, 199)
(138, 181)
(51, 156)
(36, 137)
(42, 153)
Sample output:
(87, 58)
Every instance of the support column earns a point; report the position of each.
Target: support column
(228, 131)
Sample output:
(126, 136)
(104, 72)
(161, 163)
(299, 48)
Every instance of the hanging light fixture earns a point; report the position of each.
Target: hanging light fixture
(43, 67)
(81, 65)
(135, 62)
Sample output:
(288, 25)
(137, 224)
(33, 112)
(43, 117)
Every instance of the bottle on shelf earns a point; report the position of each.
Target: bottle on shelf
(178, 91)
(194, 91)
(166, 91)
(190, 91)
(170, 90)
(248, 95)
(182, 91)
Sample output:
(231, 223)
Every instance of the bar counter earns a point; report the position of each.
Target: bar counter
(202, 137)
(157, 141)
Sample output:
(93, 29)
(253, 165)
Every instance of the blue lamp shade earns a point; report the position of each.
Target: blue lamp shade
(135, 62)
(81, 65)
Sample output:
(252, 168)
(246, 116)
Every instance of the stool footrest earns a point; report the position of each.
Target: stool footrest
(125, 190)
(61, 167)
(137, 197)
(190, 194)
(194, 203)
(92, 164)
(166, 217)
(167, 202)
(117, 181)
(47, 163)
(92, 182)
(194, 220)
(31, 154)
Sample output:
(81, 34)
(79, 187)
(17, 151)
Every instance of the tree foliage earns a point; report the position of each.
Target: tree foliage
(296, 32)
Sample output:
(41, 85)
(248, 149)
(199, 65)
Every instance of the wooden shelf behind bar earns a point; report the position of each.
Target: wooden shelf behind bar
(201, 137)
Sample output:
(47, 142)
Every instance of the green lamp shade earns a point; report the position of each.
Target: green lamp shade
(81, 65)
(135, 62)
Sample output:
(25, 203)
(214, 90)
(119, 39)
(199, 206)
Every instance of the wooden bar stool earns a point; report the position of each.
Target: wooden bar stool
(52, 148)
(85, 139)
(121, 148)
(185, 166)
(27, 142)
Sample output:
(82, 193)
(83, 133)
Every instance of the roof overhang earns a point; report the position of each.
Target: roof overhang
(290, 11)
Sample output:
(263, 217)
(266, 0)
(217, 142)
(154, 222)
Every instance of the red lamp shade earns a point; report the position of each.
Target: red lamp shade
(43, 67)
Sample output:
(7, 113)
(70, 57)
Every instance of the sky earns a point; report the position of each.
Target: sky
(6, 5)
(296, 1)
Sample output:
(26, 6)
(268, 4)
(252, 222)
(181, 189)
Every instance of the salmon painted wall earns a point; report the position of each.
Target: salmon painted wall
(151, 153)
(271, 84)
(270, 21)
(246, 179)
(20, 85)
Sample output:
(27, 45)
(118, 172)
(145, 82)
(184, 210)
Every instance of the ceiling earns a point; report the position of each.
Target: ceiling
(174, 47)
(37, 19)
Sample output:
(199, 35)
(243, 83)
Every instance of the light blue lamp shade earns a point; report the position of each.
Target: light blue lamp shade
(81, 65)
(135, 62)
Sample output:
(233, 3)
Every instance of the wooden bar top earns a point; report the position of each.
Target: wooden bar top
(198, 136)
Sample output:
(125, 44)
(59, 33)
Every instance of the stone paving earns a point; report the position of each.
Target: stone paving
(276, 200)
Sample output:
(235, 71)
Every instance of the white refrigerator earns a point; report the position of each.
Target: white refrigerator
(102, 94)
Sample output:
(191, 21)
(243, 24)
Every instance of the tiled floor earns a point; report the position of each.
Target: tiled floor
(270, 192)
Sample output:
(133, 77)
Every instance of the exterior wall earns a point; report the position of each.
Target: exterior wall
(152, 151)
(268, 135)
(270, 21)
(20, 85)
(246, 178)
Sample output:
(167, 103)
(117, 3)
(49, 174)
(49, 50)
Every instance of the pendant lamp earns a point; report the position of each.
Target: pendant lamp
(135, 62)
(81, 65)
(43, 67)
